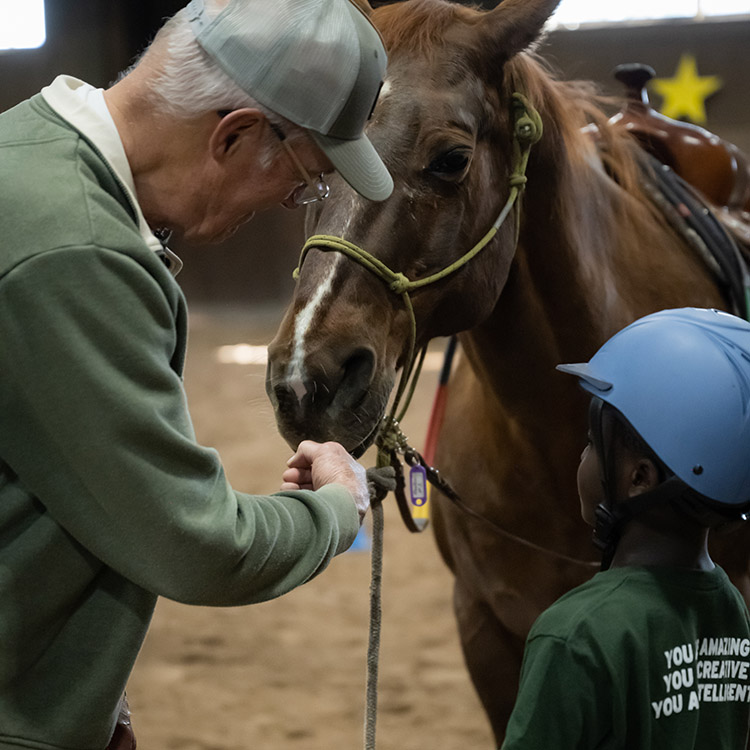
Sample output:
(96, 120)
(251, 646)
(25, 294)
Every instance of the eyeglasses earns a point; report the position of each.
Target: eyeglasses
(315, 189)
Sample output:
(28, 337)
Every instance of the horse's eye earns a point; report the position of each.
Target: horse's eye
(450, 164)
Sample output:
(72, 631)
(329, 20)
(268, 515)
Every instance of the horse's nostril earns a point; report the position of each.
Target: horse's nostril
(342, 383)
(285, 397)
(360, 364)
(358, 370)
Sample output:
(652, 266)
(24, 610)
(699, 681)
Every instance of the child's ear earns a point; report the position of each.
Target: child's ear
(644, 476)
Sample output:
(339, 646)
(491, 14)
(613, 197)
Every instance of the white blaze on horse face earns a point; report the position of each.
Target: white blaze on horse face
(295, 376)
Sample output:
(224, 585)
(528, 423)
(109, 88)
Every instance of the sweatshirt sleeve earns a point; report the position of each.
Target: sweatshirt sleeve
(95, 425)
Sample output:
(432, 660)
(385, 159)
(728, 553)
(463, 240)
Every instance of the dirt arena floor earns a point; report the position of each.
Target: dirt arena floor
(291, 673)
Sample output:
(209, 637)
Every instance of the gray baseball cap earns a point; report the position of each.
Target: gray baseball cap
(318, 63)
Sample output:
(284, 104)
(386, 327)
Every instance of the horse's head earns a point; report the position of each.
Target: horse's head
(444, 127)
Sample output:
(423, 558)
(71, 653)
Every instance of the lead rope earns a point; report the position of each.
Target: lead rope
(376, 617)
(381, 481)
(390, 440)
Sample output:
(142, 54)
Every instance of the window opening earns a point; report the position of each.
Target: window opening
(22, 24)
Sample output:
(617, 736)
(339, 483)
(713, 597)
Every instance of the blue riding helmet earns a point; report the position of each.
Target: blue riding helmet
(682, 380)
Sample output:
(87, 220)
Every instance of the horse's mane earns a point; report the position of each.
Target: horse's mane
(579, 112)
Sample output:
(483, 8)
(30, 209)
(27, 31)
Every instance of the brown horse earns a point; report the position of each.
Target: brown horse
(592, 255)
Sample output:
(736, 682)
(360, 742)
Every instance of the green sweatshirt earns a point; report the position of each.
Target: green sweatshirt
(106, 499)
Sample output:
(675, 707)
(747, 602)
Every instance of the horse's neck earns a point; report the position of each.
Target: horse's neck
(514, 354)
(590, 259)
(545, 314)
(537, 418)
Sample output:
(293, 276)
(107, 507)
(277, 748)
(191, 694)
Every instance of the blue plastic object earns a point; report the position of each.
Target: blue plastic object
(362, 542)
(682, 379)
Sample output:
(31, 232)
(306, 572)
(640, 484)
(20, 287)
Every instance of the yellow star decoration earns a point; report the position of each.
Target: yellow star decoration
(685, 94)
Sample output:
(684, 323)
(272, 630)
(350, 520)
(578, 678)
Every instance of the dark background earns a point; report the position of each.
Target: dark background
(96, 39)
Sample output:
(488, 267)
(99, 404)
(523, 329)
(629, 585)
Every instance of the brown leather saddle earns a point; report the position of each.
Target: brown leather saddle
(700, 181)
(713, 166)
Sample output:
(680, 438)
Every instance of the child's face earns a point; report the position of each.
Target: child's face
(589, 483)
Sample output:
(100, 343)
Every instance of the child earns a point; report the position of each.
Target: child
(653, 652)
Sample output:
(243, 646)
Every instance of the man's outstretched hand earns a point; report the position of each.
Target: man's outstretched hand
(316, 464)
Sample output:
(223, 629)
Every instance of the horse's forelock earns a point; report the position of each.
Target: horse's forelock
(419, 26)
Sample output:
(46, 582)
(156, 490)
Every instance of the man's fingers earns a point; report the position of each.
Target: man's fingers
(306, 453)
(295, 486)
(316, 464)
(297, 476)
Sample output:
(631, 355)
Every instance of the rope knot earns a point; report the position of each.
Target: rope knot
(399, 284)
(518, 180)
(528, 121)
(388, 440)
(527, 130)
(380, 481)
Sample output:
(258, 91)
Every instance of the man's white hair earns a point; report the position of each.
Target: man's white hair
(188, 83)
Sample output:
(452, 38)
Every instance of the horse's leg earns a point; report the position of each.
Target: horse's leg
(492, 653)
(493, 656)
(123, 738)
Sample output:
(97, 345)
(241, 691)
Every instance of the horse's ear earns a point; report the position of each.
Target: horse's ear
(514, 25)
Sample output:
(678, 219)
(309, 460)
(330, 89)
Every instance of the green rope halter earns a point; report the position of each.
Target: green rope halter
(527, 131)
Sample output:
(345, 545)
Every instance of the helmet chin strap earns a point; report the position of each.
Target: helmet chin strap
(612, 515)
(609, 516)
(610, 521)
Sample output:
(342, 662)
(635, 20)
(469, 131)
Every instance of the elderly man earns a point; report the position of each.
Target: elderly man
(106, 499)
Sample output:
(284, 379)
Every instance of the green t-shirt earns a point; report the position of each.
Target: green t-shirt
(106, 499)
(637, 658)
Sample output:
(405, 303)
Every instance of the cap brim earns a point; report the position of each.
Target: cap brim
(358, 163)
(583, 372)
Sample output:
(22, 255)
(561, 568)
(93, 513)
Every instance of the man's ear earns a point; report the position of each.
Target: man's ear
(234, 129)
(644, 476)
